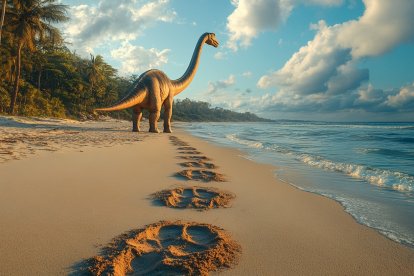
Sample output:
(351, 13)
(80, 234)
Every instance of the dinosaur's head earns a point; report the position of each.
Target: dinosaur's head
(211, 40)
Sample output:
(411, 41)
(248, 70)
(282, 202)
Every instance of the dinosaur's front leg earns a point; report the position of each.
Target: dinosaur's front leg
(167, 115)
(153, 120)
(136, 118)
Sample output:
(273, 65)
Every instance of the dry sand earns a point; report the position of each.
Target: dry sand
(58, 209)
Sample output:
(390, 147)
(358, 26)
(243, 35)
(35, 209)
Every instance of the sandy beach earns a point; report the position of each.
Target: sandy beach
(67, 189)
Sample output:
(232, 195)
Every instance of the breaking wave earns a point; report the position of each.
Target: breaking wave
(383, 178)
(251, 144)
(367, 156)
(388, 179)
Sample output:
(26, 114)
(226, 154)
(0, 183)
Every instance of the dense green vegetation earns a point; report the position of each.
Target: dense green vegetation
(40, 76)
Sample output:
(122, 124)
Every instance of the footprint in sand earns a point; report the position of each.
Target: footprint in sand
(178, 142)
(198, 164)
(190, 152)
(168, 248)
(175, 139)
(196, 158)
(201, 175)
(186, 148)
(194, 197)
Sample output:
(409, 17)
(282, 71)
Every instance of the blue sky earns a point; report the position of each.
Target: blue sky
(336, 60)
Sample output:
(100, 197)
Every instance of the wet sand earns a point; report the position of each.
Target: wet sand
(61, 207)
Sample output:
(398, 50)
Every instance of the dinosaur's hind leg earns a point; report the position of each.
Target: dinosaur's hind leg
(155, 105)
(136, 118)
(167, 115)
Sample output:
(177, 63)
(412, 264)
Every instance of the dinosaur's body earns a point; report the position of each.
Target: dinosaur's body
(154, 89)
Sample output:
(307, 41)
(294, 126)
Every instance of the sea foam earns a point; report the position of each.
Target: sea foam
(394, 180)
(252, 144)
(367, 167)
(383, 178)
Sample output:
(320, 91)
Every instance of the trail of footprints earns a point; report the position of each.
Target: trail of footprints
(176, 247)
(197, 166)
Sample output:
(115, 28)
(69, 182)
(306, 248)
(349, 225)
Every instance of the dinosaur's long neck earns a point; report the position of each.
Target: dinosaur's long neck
(182, 83)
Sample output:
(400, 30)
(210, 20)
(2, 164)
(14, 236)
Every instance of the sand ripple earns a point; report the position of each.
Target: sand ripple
(20, 138)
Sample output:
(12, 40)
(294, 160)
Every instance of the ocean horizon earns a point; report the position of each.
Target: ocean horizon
(368, 167)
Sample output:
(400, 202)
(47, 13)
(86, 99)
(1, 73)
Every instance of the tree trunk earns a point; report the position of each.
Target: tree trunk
(39, 77)
(3, 13)
(17, 78)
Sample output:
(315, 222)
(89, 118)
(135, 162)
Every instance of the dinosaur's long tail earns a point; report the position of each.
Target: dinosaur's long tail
(130, 100)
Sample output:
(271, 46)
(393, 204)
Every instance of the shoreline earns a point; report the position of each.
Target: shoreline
(377, 192)
(68, 204)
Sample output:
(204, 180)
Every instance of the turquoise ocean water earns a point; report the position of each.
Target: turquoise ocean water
(367, 167)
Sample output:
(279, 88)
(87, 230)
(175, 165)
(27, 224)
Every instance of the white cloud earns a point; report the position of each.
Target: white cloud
(236, 101)
(137, 59)
(370, 95)
(395, 100)
(404, 99)
(114, 25)
(366, 98)
(216, 86)
(324, 74)
(309, 70)
(251, 17)
(124, 20)
(220, 55)
(395, 104)
(383, 25)
(247, 74)
(323, 2)
(224, 94)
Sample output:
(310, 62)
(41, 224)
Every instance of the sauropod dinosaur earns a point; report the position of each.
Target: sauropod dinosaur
(154, 89)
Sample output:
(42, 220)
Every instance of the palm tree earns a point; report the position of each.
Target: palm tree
(94, 70)
(3, 13)
(98, 74)
(31, 21)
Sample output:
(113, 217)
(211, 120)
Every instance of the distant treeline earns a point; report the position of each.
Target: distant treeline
(40, 76)
(196, 111)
